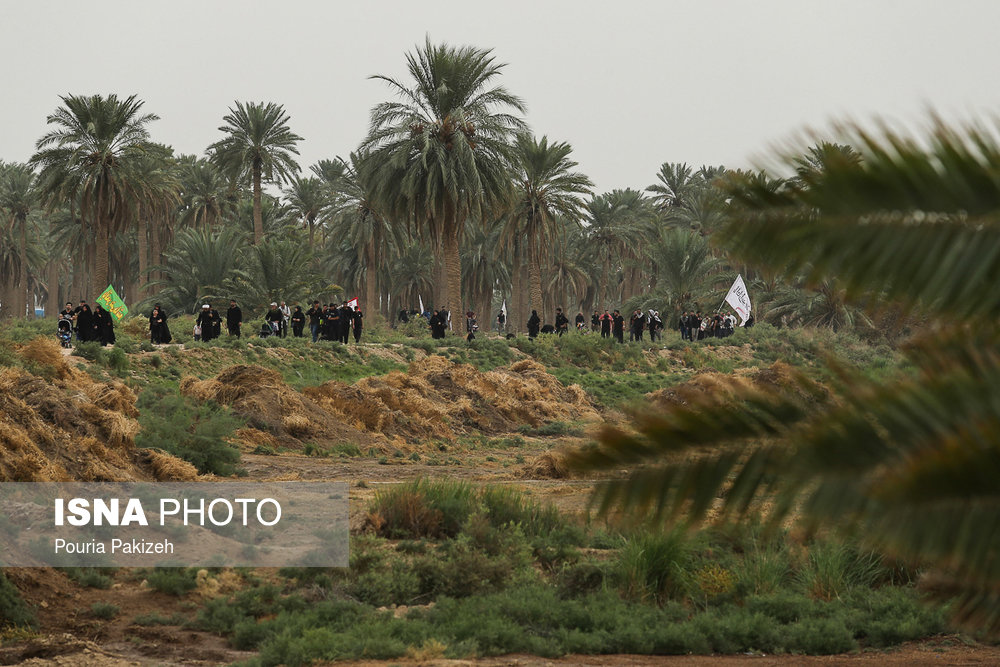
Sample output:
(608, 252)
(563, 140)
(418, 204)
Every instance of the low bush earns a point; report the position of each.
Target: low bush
(14, 612)
(171, 580)
(104, 610)
(194, 432)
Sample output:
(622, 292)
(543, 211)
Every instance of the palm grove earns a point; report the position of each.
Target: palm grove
(449, 200)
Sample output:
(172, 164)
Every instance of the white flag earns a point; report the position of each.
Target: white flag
(353, 303)
(421, 304)
(739, 299)
(503, 309)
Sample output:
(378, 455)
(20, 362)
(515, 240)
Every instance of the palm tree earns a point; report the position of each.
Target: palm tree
(196, 267)
(615, 222)
(546, 190)
(259, 145)
(207, 197)
(676, 180)
(360, 223)
(90, 161)
(310, 199)
(907, 464)
(18, 199)
(442, 153)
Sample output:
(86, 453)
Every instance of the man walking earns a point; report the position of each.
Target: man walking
(315, 315)
(234, 318)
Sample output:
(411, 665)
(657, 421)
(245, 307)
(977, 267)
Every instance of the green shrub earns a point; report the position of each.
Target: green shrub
(195, 432)
(14, 611)
(104, 610)
(423, 508)
(819, 636)
(172, 580)
(89, 577)
(831, 569)
(155, 618)
(651, 566)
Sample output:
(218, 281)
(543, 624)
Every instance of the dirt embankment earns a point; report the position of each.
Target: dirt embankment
(434, 398)
(58, 424)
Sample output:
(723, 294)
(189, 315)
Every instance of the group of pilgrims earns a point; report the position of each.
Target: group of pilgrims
(330, 322)
(95, 325)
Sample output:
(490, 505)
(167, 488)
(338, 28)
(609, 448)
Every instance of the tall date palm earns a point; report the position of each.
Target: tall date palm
(442, 152)
(258, 145)
(91, 161)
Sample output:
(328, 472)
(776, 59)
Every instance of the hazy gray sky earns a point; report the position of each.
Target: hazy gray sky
(629, 84)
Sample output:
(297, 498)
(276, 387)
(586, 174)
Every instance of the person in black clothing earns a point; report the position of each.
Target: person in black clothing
(357, 319)
(595, 322)
(298, 321)
(655, 326)
(580, 322)
(606, 321)
(534, 323)
(438, 324)
(636, 323)
(684, 325)
(274, 318)
(403, 316)
(346, 318)
(67, 312)
(207, 322)
(315, 315)
(618, 326)
(104, 325)
(331, 322)
(84, 323)
(562, 322)
(501, 322)
(749, 322)
(234, 319)
(158, 331)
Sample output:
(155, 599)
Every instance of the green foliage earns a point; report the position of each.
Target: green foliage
(440, 508)
(194, 432)
(171, 580)
(652, 564)
(91, 577)
(13, 610)
(104, 610)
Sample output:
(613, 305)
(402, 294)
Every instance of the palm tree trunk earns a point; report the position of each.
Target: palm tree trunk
(100, 281)
(21, 303)
(371, 295)
(453, 268)
(143, 244)
(52, 278)
(258, 216)
(535, 278)
(515, 309)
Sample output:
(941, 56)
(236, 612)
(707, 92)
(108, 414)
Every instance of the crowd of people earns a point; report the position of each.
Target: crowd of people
(332, 322)
(95, 325)
(329, 322)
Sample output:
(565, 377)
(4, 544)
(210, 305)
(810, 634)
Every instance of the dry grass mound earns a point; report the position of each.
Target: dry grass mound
(438, 398)
(261, 396)
(66, 426)
(546, 466)
(777, 376)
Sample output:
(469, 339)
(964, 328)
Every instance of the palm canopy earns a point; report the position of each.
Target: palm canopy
(442, 152)
(90, 161)
(546, 188)
(908, 465)
(258, 146)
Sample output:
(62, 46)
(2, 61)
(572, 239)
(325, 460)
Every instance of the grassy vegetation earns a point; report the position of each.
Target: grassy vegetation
(195, 432)
(14, 613)
(508, 575)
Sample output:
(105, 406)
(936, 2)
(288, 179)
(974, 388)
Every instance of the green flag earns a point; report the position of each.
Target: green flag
(113, 303)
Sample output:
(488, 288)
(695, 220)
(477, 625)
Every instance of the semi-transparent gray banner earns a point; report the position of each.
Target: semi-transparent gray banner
(234, 524)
